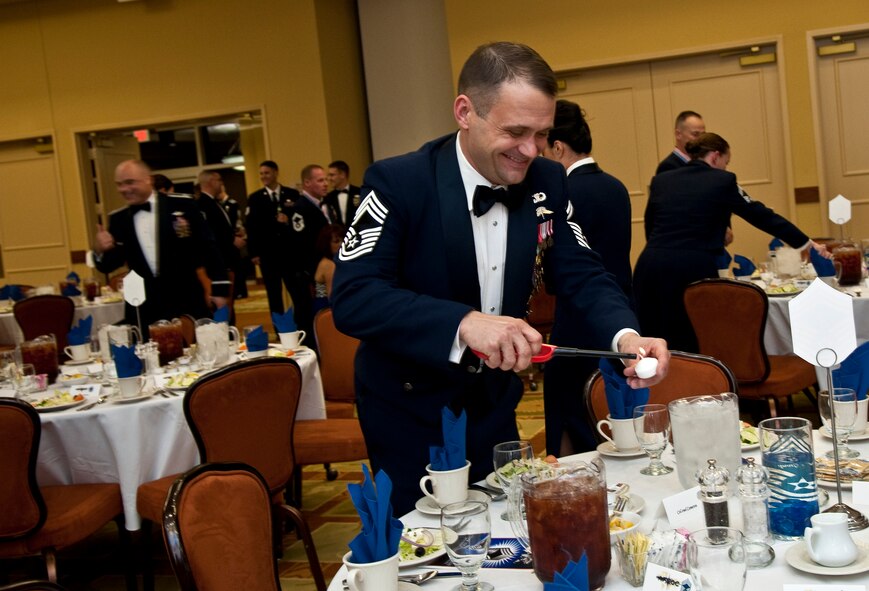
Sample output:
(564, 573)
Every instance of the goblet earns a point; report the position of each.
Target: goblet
(652, 426)
(716, 559)
(467, 530)
(511, 458)
(845, 407)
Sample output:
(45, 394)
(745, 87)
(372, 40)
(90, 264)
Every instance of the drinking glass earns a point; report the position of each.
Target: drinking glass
(206, 353)
(652, 426)
(466, 531)
(515, 454)
(716, 559)
(8, 366)
(845, 407)
(24, 379)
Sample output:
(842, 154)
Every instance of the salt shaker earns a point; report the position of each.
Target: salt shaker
(713, 493)
(754, 497)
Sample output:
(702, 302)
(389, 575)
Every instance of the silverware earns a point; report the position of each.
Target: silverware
(418, 578)
(99, 400)
(494, 495)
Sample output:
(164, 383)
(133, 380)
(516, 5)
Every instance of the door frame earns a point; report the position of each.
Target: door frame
(815, 92)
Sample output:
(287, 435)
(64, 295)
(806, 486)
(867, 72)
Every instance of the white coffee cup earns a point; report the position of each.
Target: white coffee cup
(828, 541)
(624, 438)
(131, 387)
(292, 340)
(448, 486)
(372, 576)
(78, 352)
(862, 421)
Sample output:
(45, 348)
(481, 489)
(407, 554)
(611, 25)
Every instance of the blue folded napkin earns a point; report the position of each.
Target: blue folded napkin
(15, 294)
(823, 267)
(70, 290)
(854, 372)
(257, 340)
(722, 261)
(222, 314)
(127, 363)
(81, 332)
(381, 532)
(775, 243)
(745, 268)
(452, 455)
(284, 322)
(620, 397)
(574, 577)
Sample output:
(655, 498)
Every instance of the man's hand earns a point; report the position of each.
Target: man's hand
(508, 342)
(103, 241)
(657, 348)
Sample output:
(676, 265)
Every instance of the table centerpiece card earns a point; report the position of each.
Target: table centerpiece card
(684, 510)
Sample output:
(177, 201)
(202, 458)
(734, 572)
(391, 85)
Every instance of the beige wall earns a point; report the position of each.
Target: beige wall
(573, 34)
(76, 65)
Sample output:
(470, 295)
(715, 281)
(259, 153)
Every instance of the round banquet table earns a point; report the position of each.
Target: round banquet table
(109, 313)
(133, 443)
(652, 489)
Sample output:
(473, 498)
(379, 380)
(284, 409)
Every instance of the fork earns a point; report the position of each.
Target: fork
(99, 400)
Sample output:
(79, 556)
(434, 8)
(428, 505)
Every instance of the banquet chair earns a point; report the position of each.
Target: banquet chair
(46, 314)
(217, 525)
(188, 329)
(729, 318)
(244, 412)
(338, 438)
(40, 520)
(690, 374)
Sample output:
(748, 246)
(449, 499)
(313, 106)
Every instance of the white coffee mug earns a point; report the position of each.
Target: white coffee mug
(372, 576)
(861, 423)
(448, 486)
(828, 541)
(624, 438)
(131, 387)
(292, 340)
(78, 352)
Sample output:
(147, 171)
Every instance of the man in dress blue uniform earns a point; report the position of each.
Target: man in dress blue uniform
(434, 267)
(689, 126)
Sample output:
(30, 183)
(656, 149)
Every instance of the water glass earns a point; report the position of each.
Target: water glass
(24, 379)
(845, 407)
(787, 452)
(652, 426)
(515, 454)
(467, 531)
(716, 559)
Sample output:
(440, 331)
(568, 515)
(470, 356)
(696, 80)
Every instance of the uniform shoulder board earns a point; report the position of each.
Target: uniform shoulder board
(365, 230)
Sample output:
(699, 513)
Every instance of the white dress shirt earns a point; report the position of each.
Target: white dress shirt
(145, 224)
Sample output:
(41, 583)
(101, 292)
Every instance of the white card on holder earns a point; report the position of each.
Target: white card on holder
(685, 510)
(860, 493)
(659, 578)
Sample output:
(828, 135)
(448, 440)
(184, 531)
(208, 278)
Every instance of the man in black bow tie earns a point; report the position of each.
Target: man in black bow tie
(166, 241)
(427, 273)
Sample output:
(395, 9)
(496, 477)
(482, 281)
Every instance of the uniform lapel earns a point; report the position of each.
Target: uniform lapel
(456, 224)
(521, 249)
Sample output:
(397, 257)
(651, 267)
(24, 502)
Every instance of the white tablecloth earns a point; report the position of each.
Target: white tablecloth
(652, 489)
(137, 442)
(10, 333)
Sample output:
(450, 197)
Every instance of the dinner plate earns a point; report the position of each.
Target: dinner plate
(67, 381)
(798, 557)
(412, 560)
(492, 480)
(119, 400)
(750, 446)
(607, 448)
(786, 294)
(863, 436)
(832, 483)
(60, 407)
(429, 507)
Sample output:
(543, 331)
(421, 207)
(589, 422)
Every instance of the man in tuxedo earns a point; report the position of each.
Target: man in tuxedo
(434, 268)
(219, 222)
(268, 233)
(165, 240)
(343, 200)
(689, 126)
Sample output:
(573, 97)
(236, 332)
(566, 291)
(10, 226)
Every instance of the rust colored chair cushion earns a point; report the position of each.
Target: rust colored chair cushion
(151, 496)
(788, 373)
(332, 440)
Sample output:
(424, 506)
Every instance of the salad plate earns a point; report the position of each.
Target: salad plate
(407, 552)
(59, 400)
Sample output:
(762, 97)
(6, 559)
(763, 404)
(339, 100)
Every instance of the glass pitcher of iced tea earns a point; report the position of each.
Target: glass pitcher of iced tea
(848, 260)
(561, 511)
(42, 353)
(169, 337)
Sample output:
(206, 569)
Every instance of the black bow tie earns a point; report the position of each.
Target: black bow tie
(140, 207)
(485, 197)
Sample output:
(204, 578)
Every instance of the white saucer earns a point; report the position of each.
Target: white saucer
(853, 437)
(80, 362)
(608, 449)
(119, 400)
(429, 507)
(798, 557)
(636, 503)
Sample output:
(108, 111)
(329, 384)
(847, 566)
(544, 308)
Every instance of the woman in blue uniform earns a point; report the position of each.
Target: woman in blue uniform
(686, 220)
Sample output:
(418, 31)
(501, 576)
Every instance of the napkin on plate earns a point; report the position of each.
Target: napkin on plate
(854, 372)
(620, 397)
(127, 363)
(380, 533)
(574, 577)
(284, 322)
(81, 332)
(257, 340)
(222, 314)
(823, 267)
(722, 261)
(452, 455)
(745, 268)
